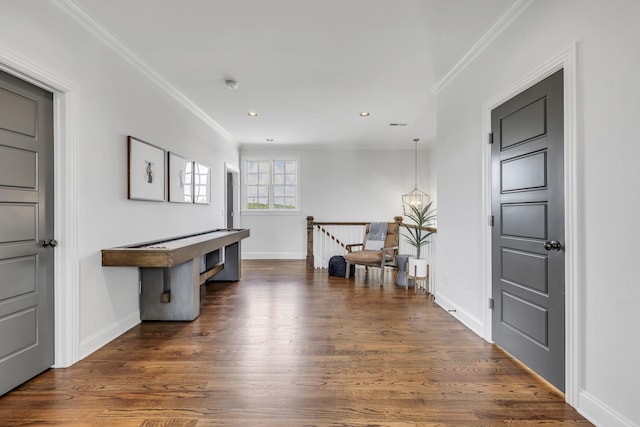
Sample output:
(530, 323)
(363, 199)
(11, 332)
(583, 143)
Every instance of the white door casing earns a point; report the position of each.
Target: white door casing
(564, 60)
(65, 128)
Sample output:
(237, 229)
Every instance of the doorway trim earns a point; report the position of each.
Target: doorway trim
(65, 137)
(564, 60)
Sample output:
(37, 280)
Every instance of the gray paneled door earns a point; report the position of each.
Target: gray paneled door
(26, 224)
(528, 232)
(230, 202)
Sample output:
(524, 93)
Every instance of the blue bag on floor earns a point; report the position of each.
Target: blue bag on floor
(338, 267)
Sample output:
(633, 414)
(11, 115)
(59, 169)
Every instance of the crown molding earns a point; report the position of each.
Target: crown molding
(110, 40)
(505, 20)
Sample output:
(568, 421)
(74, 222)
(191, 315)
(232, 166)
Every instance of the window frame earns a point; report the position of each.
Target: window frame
(271, 196)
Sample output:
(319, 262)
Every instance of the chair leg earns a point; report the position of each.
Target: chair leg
(415, 277)
(427, 280)
(346, 273)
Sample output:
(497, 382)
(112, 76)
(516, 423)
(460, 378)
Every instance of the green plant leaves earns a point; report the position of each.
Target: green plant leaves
(421, 217)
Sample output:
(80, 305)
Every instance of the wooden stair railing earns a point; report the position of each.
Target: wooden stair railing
(311, 224)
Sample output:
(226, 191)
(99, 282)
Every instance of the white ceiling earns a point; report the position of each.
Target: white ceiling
(307, 67)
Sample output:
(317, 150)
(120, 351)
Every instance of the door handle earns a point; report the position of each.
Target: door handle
(552, 245)
(49, 242)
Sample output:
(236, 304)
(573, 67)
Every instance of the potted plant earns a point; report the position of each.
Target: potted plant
(421, 216)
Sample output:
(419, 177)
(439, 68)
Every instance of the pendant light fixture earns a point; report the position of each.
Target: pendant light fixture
(415, 197)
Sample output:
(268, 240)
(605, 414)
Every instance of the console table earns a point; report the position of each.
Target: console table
(172, 270)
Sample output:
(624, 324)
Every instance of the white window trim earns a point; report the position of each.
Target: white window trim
(271, 210)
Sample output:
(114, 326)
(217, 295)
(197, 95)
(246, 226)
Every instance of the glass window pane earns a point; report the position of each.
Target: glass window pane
(278, 167)
(252, 179)
(264, 166)
(256, 167)
(271, 184)
(251, 167)
(263, 203)
(290, 167)
(257, 185)
(258, 203)
(290, 203)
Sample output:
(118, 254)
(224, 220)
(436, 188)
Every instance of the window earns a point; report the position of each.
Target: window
(271, 185)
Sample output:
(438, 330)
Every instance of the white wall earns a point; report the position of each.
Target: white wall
(608, 88)
(114, 100)
(345, 184)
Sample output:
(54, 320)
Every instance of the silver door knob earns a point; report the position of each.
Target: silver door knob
(552, 245)
(49, 242)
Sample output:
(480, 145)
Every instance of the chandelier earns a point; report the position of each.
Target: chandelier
(416, 198)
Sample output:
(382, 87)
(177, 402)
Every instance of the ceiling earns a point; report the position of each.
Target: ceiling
(307, 67)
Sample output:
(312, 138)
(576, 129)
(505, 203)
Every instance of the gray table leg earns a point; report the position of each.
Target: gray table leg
(179, 284)
(232, 264)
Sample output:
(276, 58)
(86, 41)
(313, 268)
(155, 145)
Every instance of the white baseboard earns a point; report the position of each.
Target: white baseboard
(274, 255)
(108, 334)
(588, 405)
(456, 311)
(599, 413)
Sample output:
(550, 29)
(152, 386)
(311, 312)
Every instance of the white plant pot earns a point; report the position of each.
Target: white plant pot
(417, 267)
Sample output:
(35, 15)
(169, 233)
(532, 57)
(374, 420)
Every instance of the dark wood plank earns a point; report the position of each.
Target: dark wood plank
(287, 346)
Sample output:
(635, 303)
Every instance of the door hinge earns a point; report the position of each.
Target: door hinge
(490, 220)
(490, 303)
(490, 138)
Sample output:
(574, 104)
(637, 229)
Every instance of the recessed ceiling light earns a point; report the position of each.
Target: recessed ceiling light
(364, 114)
(231, 84)
(269, 139)
(252, 114)
(397, 124)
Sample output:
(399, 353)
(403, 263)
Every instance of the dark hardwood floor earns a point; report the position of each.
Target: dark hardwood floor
(291, 347)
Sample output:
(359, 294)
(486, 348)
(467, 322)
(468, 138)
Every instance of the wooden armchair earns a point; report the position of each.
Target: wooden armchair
(374, 252)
